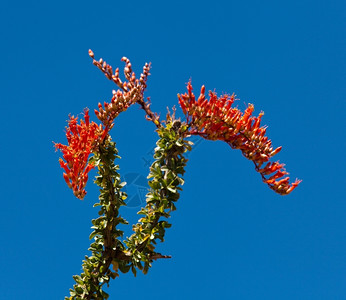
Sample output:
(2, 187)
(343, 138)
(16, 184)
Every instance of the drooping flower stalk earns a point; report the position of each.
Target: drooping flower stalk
(82, 139)
(216, 119)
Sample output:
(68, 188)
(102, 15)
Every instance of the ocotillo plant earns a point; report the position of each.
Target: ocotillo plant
(89, 145)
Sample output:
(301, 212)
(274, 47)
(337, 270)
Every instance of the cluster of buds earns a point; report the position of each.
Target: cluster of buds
(216, 119)
(119, 103)
(82, 139)
(130, 91)
(132, 82)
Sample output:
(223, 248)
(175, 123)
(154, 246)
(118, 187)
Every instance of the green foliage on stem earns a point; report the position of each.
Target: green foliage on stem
(165, 181)
(138, 251)
(106, 245)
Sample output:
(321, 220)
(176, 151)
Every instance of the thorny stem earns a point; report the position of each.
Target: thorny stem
(150, 116)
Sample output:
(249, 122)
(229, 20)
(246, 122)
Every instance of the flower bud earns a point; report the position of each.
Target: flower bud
(276, 151)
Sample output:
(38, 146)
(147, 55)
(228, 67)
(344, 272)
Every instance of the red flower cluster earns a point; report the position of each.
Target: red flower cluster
(216, 119)
(81, 138)
(130, 92)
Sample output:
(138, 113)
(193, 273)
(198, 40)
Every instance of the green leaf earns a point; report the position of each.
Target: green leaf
(124, 268)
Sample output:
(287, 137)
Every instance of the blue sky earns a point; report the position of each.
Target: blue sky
(232, 237)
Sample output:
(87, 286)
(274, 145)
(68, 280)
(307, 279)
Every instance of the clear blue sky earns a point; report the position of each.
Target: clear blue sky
(232, 237)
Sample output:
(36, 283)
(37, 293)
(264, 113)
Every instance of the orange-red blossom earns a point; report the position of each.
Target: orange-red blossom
(81, 139)
(216, 119)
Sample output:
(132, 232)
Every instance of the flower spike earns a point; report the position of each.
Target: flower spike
(216, 119)
(82, 139)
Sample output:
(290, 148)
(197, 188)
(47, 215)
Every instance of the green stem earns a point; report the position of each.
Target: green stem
(166, 177)
(106, 245)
